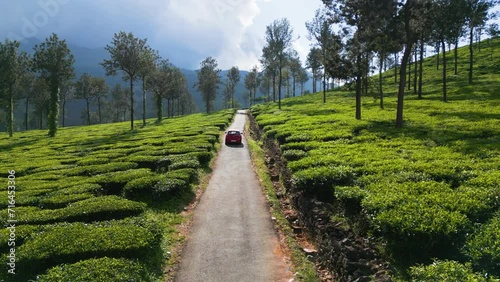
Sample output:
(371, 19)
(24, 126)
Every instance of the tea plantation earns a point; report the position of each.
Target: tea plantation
(429, 193)
(101, 203)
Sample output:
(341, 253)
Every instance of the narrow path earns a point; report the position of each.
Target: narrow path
(232, 237)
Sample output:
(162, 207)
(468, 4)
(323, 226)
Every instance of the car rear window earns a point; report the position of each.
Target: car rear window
(233, 132)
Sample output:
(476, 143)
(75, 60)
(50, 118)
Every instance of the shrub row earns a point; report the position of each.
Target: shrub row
(71, 243)
(97, 269)
(93, 209)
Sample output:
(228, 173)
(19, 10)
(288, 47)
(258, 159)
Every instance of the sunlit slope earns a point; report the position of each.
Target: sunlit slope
(430, 190)
(100, 203)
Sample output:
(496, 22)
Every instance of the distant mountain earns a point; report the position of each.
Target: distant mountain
(87, 61)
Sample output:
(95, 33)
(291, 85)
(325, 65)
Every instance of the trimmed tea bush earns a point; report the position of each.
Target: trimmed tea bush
(484, 247)
(189, 175)
(74, 242)
(100, 269)
(446, 271)
(323, 178)
(93, 209)
(169, 185)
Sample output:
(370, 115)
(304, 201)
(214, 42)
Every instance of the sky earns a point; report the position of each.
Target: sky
(184, 31)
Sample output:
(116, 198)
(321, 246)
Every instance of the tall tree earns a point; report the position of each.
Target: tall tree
(321, 32)
(302, 78)
(28, 89)
(159, 83)
(67, 93)
(148, 60)
(448, 20)
(208, 81)
(126, 52)
(252, 83)
(476, 14)
(54, 62)
(270, 66)
(295, 66)
(314, 63)
(83, 90)
(119, 102)
(233, 77)
(99, 92)
(279, 40)
(13, 66)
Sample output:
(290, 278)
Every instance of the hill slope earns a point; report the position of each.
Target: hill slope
(428, 191)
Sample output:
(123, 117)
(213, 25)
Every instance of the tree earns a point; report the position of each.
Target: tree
(159, 83)
(278, 41)
(295, 66)
(476, 15)
(148, 59)
(233, 77)
(177, 87)
(302, 78)
(67, 93)
(41, 100)
(270, 66)
(208, 81)
(447, 26)
(126, 53)
(28, 89)
(252, 83)
(314, 63)
(119, 101)
(83, 90)
(54, 63)
(99, 92)
(321, 31)
(13, 66)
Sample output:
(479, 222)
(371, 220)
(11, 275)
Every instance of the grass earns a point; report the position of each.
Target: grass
(102, 201)
(427, 191)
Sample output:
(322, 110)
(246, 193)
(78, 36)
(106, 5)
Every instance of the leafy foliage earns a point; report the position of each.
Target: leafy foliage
(429, 190)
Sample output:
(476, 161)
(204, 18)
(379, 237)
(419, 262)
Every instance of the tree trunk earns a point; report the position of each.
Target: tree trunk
(401, 91)
(10, 114)
(358, 96)
(324, 86)
(99, 110)
(396, 68)
(274, 86)
(358, 88)
(314, 80)
(279, 89)
(143, 102)
(445, 99)
(53, 116)
(63, 111)
(26, 114)
(471, 54)
(456, 57)
(131, 103)
(159, 108)
(380, 81)
(437, 58)
(415, 68)
(40, 120)
(420, 69)
(293, 91)
(88, 110)
(409, 72)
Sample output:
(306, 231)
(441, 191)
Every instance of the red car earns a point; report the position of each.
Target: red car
(233, 137)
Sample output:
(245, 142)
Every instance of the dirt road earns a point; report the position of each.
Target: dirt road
(232, 237)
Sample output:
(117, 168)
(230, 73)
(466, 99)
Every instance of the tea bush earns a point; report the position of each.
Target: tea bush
(98, 269)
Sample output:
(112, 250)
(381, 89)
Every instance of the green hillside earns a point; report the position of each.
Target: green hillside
(428, 195)
(101, 203)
